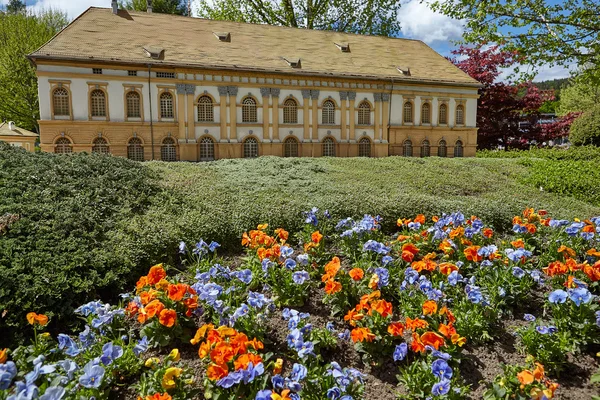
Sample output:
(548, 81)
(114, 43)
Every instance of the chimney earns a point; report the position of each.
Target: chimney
(11, 126)
(115, 7)
(149, 7)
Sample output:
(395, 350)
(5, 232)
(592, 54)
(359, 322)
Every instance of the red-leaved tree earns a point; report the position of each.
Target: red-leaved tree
(507, 113)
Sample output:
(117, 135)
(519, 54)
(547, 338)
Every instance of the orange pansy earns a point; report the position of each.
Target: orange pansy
(316, 237)
(156, 273)
(153, 308)
(447, 268)
(37, 319)
(159, 396)
(216, 372)
(525, 377)
(413, 324)
(176, 292)
(395, 329)
(429, 307)
(3, 356)
(488, 232)
(356, 274)
(417, 346)
(362, 334)
(332, 287)
(167, 318)
(471, 254)
(432, 339)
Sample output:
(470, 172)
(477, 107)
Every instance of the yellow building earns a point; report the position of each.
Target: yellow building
(18, 137)
(155, 86)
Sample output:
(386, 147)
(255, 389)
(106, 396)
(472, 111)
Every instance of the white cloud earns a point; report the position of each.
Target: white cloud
(418, 21)
(72, 7)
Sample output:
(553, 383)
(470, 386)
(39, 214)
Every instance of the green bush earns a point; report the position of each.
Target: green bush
(76, 227)
(583, 153)
(60, 239)
(585, 130)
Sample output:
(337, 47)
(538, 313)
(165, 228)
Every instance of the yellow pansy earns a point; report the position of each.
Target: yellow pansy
(168, 380)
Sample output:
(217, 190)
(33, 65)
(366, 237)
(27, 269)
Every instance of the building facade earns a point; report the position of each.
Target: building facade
(18, 137)
(208, 90)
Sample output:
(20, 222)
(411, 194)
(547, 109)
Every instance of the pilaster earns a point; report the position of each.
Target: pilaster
(181, 110)
(343, 98)
(385, 103)
(266, 94)
(233, 90)
(351, 99)
(275, 97)
(223, 112)
(314, 95)
(190, 90)
(305, 113)
(377, 114)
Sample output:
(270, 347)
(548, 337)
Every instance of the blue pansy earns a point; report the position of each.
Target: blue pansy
(441, 388)
(558, 296)
(580, 295)
(92, 375)
(400, 352)
(299, 277)
(441, 369)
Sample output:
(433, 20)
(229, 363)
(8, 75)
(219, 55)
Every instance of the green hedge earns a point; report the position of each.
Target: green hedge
(80, 226)
(584, 153)
(585, 130)
(62, 233)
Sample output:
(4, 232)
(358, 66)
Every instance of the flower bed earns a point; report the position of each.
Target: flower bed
(329, 310)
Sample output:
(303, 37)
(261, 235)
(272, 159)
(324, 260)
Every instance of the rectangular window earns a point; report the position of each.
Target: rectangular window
(132, 73)
(170, 75)
(97, 71)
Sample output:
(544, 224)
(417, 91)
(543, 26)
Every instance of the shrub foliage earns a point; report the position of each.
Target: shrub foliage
(586, 129)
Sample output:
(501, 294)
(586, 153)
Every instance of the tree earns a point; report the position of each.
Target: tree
(179, 7)
(582, 95)
(507, 114)
(547, 31)
(15, 6)
(373, 17)
(586, 129)
(21, 34)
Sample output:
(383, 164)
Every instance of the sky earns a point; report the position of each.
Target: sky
(416, 19)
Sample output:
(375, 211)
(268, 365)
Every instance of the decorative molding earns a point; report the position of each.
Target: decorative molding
(385, 97)
(233, 90)
(314, 94)
(265, 91)
(343, 96)
(305, 93)
(377, 96)
(275, 92)
(351, 95)
(222, 90)
(186, 88)
(180, 88)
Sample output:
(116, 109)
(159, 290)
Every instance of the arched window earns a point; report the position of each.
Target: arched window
(207, 149)
(60, 101)
(100, 145)
(290, 112)
(364, 113)
(63, 146)
(290, 147)
(98, 103)
(250, 148)
(407, 150)
(460, 114)
(443, 114)
(364, 147)
(166, 105)
(135, 150)
(133, 105)
(425, 148)
(205, 109)
(408, 112)
(442, 148)
(249, 110)
(328, 113)
(426, 113)
(458, 149)
(168, 151)
(328, 147)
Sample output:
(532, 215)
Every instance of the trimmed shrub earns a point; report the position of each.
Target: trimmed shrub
(61, 219)
(585, 130)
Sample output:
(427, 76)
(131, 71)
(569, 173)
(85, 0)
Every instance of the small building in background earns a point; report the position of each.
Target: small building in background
(18, 137)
